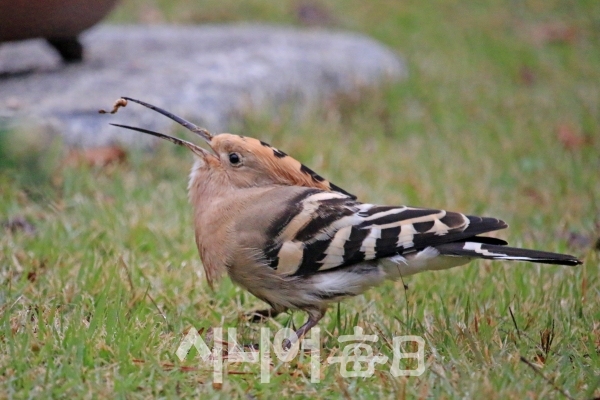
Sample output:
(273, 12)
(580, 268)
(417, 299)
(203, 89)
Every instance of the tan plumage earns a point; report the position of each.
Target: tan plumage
(297, 241)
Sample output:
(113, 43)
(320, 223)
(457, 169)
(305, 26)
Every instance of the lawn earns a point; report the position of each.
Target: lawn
(500, 115)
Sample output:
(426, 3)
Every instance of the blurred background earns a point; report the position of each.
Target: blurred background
(518, 79)
(497, 113)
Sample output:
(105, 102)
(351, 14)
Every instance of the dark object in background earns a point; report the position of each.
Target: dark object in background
(69, 48)
(313, 13)
(58, 21)
(19, 223)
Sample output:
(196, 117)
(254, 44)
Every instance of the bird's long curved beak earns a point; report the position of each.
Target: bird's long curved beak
(195, 149)
(203, 133)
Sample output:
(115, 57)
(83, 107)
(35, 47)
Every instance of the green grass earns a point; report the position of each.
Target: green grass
(96, 301)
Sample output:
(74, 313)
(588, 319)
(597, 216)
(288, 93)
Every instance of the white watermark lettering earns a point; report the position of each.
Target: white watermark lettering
(357, 359)
(357, 353)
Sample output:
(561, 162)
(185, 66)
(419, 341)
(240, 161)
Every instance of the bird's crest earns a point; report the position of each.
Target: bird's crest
(288, 169)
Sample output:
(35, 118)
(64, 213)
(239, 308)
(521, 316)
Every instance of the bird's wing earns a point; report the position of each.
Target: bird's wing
(326, 230)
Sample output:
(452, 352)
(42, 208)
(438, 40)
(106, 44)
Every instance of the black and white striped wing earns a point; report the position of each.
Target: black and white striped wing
(328, 230)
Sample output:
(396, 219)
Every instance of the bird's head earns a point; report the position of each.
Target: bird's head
(239, 161)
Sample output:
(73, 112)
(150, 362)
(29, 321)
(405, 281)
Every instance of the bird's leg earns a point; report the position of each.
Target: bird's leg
(261, 315)
(314, 316)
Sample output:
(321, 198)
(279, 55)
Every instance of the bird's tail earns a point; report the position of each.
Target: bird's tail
(499, 252)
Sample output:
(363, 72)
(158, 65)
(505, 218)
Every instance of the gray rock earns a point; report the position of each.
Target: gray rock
(208, 74)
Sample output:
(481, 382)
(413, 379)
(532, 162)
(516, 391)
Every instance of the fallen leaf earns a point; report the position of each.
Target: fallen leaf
(168, 366)
(570, 138)
(534, 194)
(553, 32)
(32, 276)
(96, 156)
(527, 76)
(540, 359)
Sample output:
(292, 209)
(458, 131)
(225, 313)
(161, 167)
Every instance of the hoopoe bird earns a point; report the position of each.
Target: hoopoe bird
(297, 241)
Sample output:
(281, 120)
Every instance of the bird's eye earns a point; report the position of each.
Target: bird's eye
(235, 159)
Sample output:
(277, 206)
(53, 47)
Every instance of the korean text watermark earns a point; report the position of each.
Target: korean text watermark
(357, 358)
